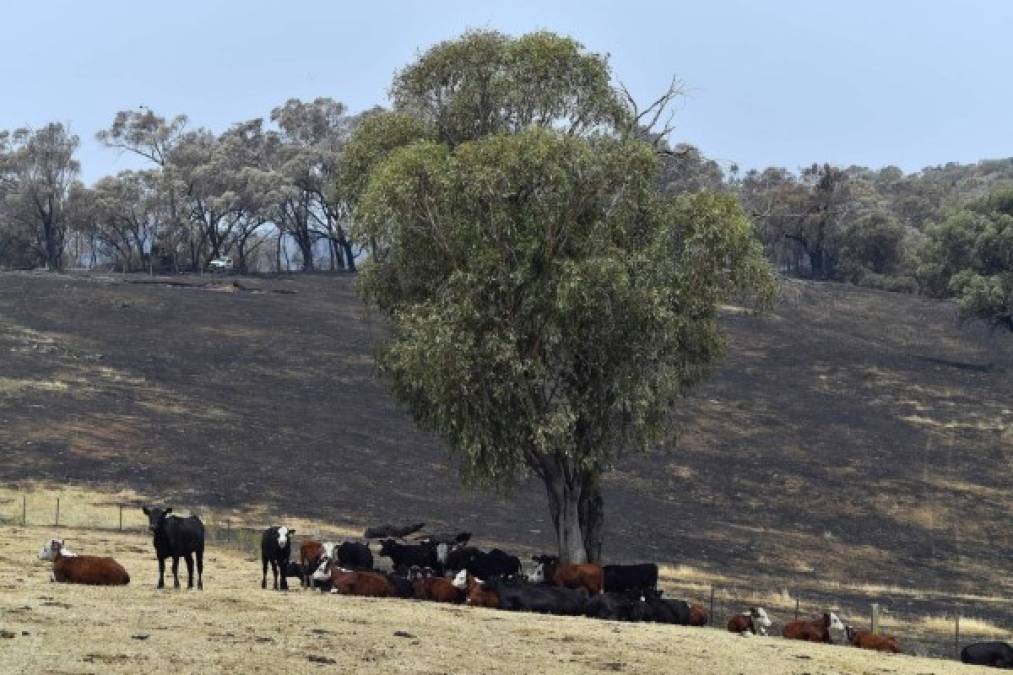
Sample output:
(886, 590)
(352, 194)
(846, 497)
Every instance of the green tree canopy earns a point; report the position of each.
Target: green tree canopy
(547, 305)
(970, 254)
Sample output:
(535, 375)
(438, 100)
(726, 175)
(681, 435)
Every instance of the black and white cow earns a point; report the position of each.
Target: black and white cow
(995, 654)
(177, 538)
(276, 550)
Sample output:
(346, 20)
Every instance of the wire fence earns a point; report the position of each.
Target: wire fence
(721, 601)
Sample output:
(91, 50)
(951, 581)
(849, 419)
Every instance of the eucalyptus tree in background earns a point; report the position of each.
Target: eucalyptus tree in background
(312, 136)
(548, 305)
(40, 173)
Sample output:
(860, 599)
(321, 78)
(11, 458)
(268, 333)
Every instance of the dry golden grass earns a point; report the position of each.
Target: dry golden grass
(235, 626)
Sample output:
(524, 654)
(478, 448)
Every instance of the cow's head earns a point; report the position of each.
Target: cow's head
(760, 619)
(834, 623)
(323, 571)
(461, 580)
(850, 631)
(387, 547)
(538, 576)
(155, 515)
(283, 536)
(50, 549)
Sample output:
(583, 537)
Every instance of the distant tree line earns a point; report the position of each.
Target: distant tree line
(271, 196)
(255, 192)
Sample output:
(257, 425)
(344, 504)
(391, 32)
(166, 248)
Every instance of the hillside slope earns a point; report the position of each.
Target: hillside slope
(853, 443)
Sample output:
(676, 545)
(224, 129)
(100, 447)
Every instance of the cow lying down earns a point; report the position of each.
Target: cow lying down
(83, 569)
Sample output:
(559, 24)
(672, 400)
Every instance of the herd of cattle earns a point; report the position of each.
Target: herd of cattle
(443, 568)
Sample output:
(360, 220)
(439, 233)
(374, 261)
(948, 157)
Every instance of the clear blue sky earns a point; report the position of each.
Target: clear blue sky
(786, 83)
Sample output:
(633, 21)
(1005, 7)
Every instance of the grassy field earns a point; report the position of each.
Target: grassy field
(854, 447)
(234, 626)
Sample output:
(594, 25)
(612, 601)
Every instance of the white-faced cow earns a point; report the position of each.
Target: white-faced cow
(275, 550)
(177, 538)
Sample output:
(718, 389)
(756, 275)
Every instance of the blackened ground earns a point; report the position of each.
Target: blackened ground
(851, 436)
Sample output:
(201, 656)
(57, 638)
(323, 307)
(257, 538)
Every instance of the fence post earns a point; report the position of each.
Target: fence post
(711, 618)
(121, 517)
(228, 530)
(956, 635)
(875, 618)
(57, 512)
(796, 609)
(24, 510)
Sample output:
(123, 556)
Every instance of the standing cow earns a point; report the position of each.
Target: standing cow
(177, 537)
(276, 549)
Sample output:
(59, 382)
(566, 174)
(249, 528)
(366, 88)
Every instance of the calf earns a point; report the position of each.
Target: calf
(83, 569)
(623, 578)
(868, 640)
(276, 549)
(587, 576)
(177, 537)
(477, 594)
(995, 654)
(355, 556)
(404, 556)
(295, 570)
(755, 622)
(814, 630)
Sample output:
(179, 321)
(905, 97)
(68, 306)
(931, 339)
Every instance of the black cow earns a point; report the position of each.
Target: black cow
(495, 563)
(449, 538)
(615, 607)
(524, 597)
(403, 556)
(276, 549)
(458, 558)
(660, 610)
(995, 654)
(355, 556)
(295, 569)
(623, 578)
(177, 537)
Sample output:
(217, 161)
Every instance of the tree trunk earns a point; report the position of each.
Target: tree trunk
(564, 506)
(592, 518)
(349, 256)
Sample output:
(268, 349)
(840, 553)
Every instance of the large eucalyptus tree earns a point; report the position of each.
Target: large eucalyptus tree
(547, 304)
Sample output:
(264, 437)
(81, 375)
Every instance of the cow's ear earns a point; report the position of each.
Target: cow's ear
(292, 531)
(146, 510)
(168, 510)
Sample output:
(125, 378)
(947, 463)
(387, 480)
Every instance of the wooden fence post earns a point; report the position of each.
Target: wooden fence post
(710, 619)
(57, 524)
(875, 618)
(24, 510)
(228, 530)
(121, 517)
(956, 635)
(796, 609)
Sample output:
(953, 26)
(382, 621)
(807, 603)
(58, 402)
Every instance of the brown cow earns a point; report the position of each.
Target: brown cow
(478, 595)
(311, 554)
(83, 569)
(815, 630)
(756, 622)
(367, 584)
(868, 640)
(697, 615)
(588, 576)
(437, 589)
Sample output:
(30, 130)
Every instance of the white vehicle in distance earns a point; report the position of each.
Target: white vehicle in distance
(221, 264)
